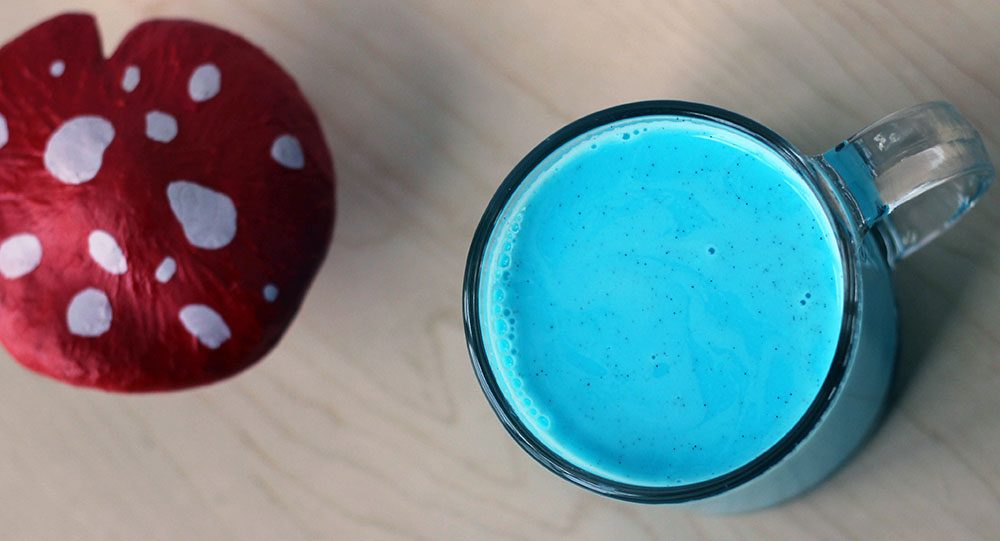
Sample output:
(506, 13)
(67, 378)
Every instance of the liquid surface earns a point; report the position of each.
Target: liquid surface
(661, 300)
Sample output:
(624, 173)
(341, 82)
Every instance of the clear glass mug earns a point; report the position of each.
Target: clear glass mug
(889, 189)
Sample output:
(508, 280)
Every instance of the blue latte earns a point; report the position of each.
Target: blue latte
(661, 300)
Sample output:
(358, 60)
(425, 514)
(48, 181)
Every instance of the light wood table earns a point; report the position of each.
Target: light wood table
(367, 423)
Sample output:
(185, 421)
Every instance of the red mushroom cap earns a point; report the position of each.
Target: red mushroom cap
(162, 212)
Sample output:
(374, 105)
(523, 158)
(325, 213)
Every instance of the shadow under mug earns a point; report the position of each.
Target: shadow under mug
(888, 190)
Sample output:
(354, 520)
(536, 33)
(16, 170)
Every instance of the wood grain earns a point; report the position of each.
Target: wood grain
(367, 423)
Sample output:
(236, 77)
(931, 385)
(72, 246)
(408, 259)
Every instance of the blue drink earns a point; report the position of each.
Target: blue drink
(666, 302)
(661, 300)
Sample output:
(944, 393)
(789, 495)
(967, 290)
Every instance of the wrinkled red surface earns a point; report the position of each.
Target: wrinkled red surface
(284, 223)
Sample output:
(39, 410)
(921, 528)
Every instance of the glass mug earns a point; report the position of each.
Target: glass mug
(666, 302)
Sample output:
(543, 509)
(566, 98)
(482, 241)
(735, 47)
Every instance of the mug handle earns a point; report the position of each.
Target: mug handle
(913, 174)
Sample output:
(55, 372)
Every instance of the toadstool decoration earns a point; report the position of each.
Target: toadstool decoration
(162, 211)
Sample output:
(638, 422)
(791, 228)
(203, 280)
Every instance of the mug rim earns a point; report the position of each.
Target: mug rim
(830, 199)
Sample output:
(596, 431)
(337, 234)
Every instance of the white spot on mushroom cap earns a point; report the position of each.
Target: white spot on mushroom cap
(161, 126)
(204, 82)
(270, 292)
(205, 324)
(105, 252)
(207, 216)
(89, 313)
(4, 134)
(74, 152)
(130, 79)
(57, 68)
(287, 151)
(165, 271)
(19, 255)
